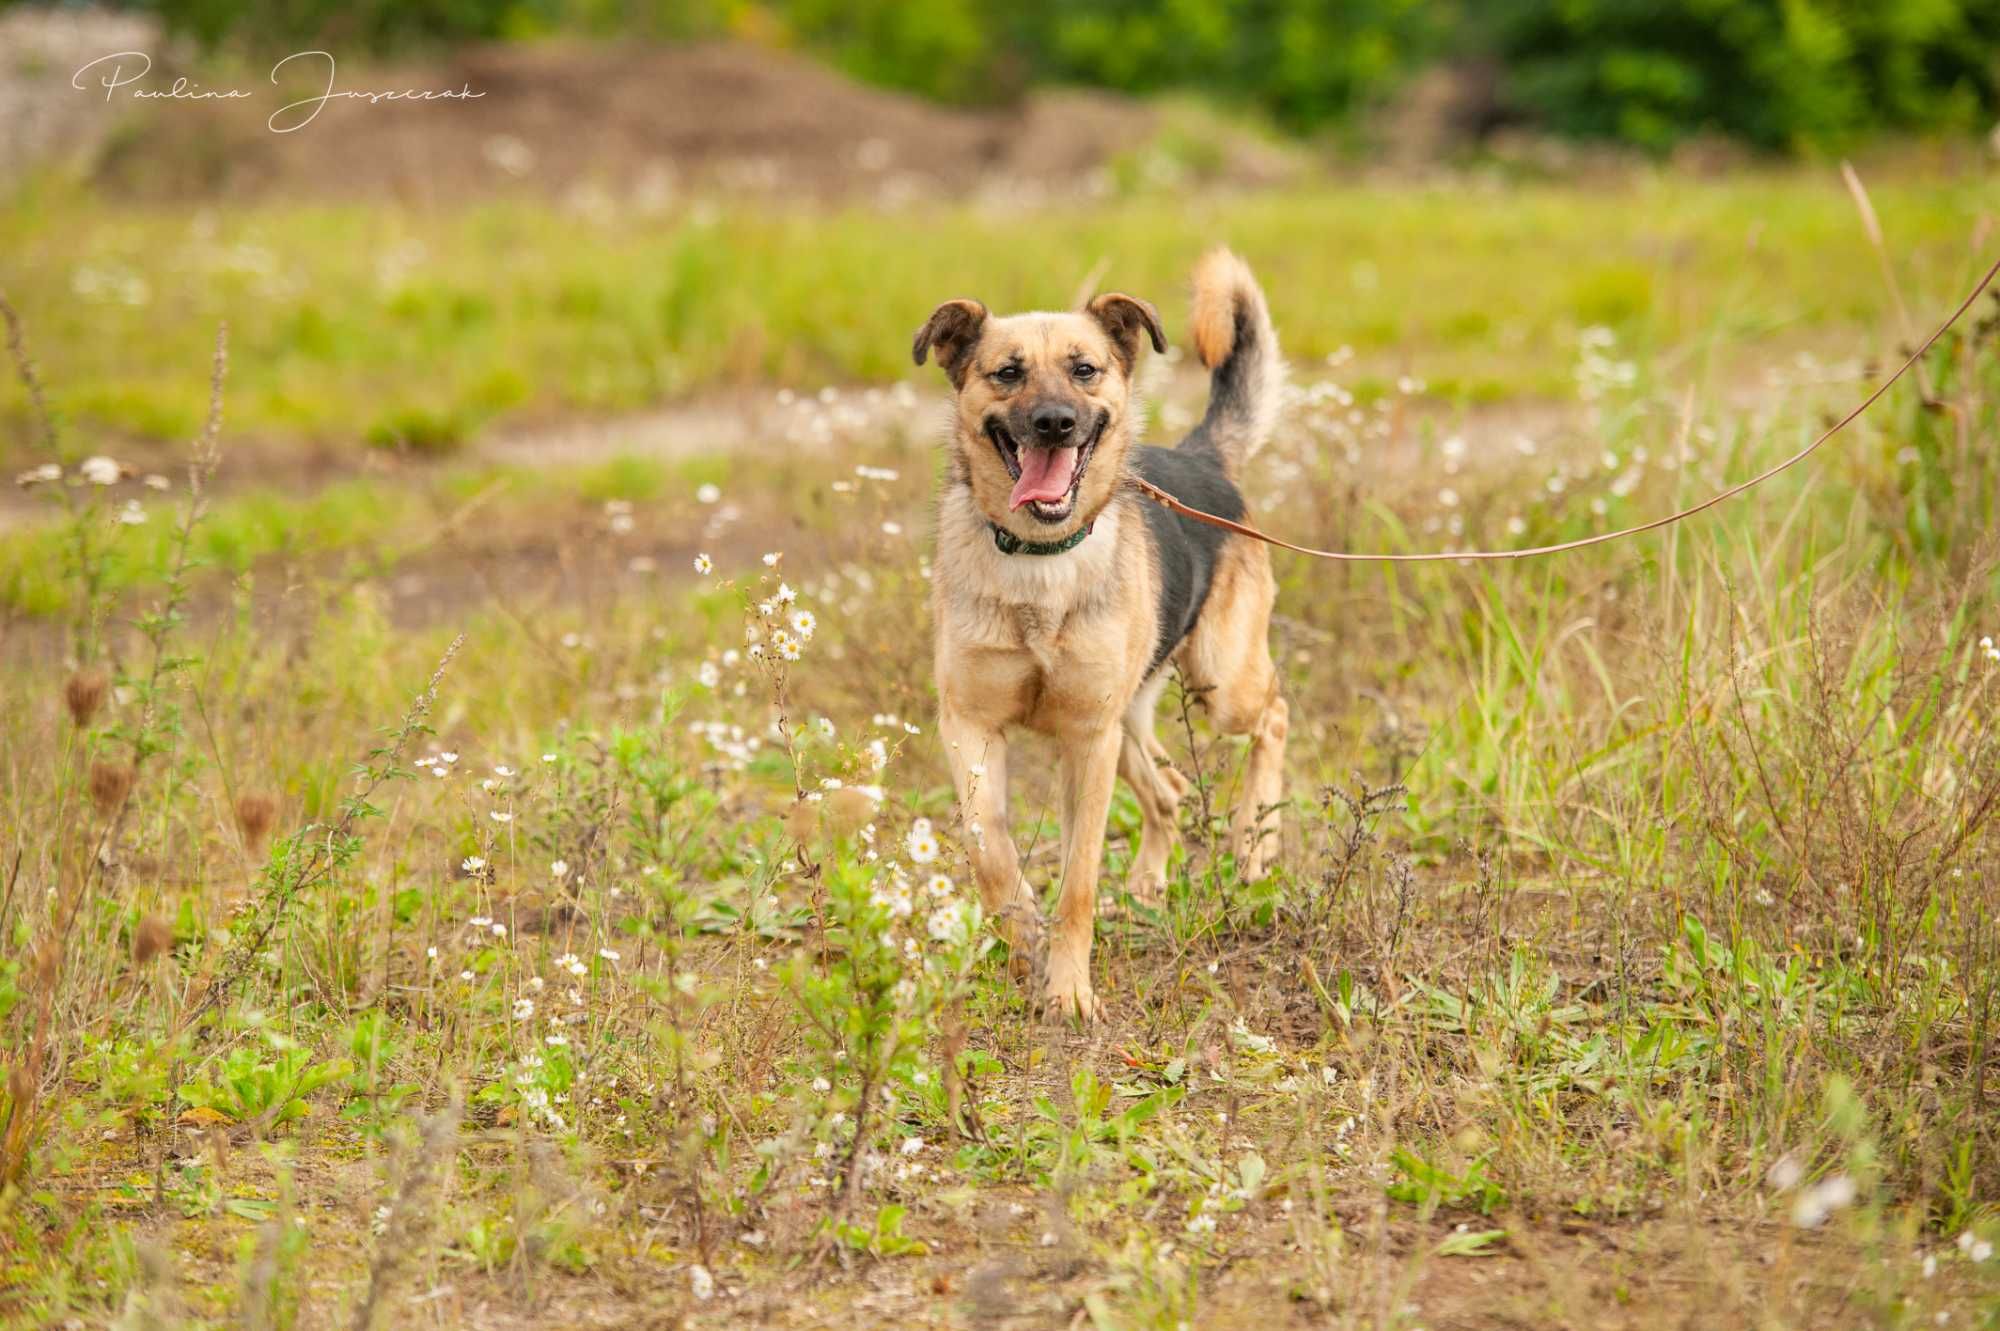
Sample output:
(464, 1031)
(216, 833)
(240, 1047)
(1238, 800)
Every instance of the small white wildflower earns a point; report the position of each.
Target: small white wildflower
(821, 1085)
(700, 1283)
(133, 514)
(501, 816)
(708, 494)
(790, 649)
(771, 559)
(466, 976)
(803, 624)
(100, 470)
(524, 1008)
(923, 846)
(499, 930)
(892, 529)
(704, 565)
(608, 954)
(558, 1039)
(559, 869)
(472, 864)
(431, 954)
(1820, 1201)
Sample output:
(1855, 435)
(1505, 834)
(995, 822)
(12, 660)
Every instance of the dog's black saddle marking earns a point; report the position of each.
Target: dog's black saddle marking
(1187, 549)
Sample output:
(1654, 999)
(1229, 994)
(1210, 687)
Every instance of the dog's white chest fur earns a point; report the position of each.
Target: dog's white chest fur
(1019, 600)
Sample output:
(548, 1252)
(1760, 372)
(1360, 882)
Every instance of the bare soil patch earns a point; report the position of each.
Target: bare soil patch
(633, 125)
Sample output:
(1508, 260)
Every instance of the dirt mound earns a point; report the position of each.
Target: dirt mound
(629, 125)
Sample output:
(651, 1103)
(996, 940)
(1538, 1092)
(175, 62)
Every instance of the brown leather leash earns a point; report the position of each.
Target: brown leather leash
(1161, 497)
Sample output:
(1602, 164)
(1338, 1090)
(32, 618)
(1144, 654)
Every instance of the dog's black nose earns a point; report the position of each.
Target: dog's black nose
(1054, 423)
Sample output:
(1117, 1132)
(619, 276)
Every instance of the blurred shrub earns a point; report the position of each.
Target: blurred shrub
(1777, 73)
(1780, 74)
(377, 26)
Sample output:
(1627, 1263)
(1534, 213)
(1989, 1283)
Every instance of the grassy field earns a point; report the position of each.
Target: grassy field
(418, 330)
(422, 908)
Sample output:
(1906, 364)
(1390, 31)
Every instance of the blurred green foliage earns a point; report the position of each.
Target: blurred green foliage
(1779, 74)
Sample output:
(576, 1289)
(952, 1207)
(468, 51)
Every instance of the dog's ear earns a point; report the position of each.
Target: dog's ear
(953, 329)
(1124, 318)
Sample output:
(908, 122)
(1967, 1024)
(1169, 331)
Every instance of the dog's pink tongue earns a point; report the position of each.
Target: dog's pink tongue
(1045, 475)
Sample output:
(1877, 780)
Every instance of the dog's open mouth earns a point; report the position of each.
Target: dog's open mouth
(1045, 479)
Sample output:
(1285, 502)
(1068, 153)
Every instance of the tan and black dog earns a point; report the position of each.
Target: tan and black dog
(1060, 593)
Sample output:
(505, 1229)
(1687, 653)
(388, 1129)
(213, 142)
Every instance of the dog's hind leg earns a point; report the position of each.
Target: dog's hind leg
(1143, 763)
(978, 757)
(1229, 656)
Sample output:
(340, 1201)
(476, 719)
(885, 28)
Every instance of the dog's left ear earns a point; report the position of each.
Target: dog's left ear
(1124, 318)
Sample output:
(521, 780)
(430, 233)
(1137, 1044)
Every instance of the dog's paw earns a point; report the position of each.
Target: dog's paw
(1148, 889)
(1022, 927)
(1068, 995)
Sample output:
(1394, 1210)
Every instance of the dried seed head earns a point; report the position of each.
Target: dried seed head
(255, 812)
(152, 938)
(847, 810)
(800, 821)
(84, 694)
(20, 1086)
(110, 783)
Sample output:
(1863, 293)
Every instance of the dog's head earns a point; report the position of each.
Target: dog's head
(1044, 406)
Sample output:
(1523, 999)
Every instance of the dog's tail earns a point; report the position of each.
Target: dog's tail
(1235, 340)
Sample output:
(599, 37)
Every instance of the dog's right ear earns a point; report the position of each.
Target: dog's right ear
(953, 330)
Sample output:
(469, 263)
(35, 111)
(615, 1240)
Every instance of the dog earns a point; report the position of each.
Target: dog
(1060, 594)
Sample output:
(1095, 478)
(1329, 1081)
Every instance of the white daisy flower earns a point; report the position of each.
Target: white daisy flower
(704, 565)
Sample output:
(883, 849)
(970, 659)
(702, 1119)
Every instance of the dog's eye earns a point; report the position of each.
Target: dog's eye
(1084, 371)
(1008, 374)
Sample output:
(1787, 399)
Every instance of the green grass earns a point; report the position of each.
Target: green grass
(419, 330)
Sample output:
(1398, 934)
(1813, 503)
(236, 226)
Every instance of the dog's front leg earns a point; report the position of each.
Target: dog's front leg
(1089, 770)
(978, 756)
